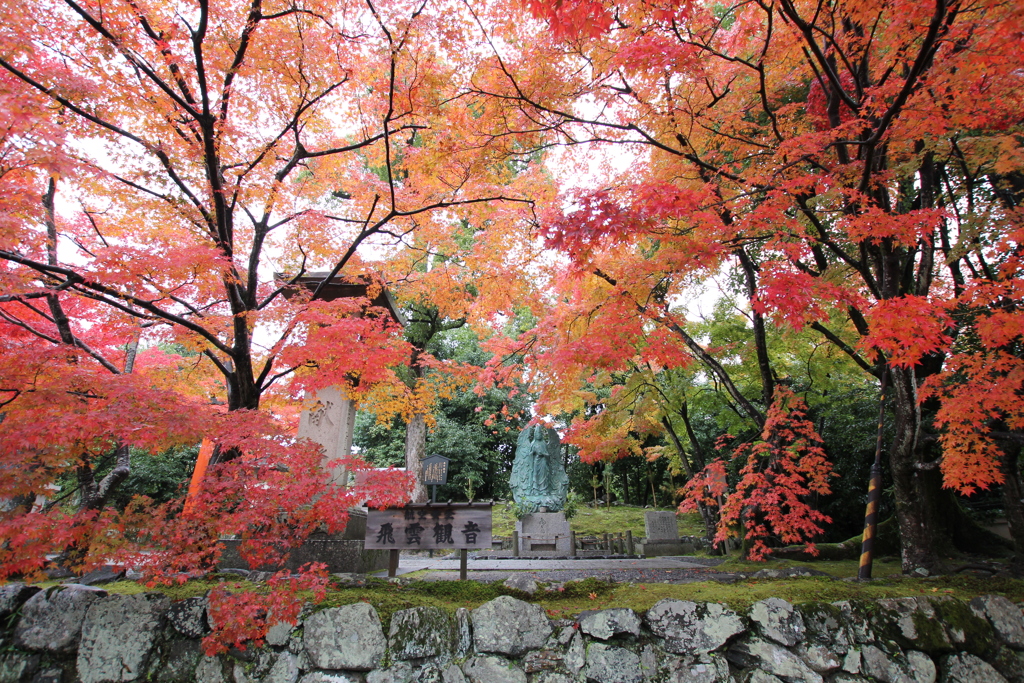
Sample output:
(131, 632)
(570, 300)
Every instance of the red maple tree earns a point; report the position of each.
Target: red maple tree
(857, 165)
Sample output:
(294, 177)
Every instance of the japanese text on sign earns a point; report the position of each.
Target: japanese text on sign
(435, 471)
(429, 527)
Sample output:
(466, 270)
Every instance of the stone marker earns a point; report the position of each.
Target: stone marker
(330, 422)
(661, 526)
(662, 531)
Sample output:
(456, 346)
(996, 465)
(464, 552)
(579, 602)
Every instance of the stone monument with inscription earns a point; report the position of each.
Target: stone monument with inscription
(329, 419)
(662, 535)
(539, 487)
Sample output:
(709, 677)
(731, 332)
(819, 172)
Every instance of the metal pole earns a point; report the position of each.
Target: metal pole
(463, 554)
(867, 547)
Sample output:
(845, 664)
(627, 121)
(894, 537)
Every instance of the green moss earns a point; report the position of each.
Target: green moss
(977, 633)
(882, 567)
(585, 588)
(822, 620)
(931, 636)
(592, 593)
(591, 521)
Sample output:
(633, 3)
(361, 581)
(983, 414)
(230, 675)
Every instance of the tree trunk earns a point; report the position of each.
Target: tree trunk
(917, 490)
(625, 484)
(764, 364)
(415, 451)
(1013, 492)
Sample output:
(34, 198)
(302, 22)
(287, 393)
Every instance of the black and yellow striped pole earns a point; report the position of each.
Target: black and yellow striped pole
(874, 493)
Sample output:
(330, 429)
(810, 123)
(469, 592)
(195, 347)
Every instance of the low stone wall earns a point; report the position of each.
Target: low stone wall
(80, 633)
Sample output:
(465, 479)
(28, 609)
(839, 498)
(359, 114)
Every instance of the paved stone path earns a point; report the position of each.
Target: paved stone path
(631, 570)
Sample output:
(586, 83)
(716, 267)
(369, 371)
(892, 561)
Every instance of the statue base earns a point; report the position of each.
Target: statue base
(543, 534)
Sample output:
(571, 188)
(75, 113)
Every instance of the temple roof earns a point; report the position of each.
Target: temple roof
(342, 287)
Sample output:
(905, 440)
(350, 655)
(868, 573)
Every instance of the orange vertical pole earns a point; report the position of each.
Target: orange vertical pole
(202, 462)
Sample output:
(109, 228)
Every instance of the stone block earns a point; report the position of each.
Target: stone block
(543, 660)
(347, 637)
(463, 633)
(692, 628)
(328, 677)
(106, 574)
(576, 654)
(609, 664)
(650, 548)
(51, 621)
(551, 677)
(491, 669)
(180, 660)
(13, 596)
(703, 669)
(609, 623)
(772, 658)
(188, 617)
(825, 625)
(966, 668)
(453, 674)
(510, 627)
(1005, 618)
(521, 582)
(421, 632)
(776, 620)
(1009, 663)
(818, 657)
(401, 672)
(279, 634)
(896, 667)
(118, 637)
(18, 666)
(210, 670)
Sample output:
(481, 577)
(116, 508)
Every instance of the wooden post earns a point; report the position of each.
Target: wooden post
(463, 555)
(572, 543)
(393, 562)
(515, 544)
(630, 548)
(867, 547)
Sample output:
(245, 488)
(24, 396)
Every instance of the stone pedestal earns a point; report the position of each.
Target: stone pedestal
(543, 533)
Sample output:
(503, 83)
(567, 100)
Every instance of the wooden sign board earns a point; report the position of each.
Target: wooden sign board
(435, 471)
(430, 527)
